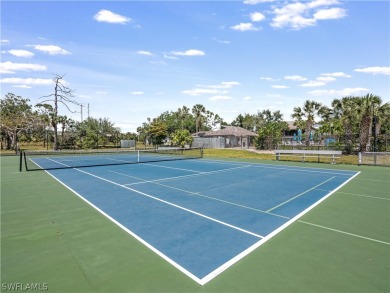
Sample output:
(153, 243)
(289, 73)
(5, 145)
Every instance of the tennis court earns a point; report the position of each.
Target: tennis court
(201, 216)
(204, 217)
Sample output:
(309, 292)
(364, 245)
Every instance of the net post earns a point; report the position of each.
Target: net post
(360, 159)
(25, 160)
(20, 161)
(138, 156)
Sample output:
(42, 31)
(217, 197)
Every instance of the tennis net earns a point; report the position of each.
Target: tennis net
(374, 158)
(49, 160)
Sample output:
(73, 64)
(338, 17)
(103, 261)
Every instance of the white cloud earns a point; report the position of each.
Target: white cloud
(23, 86)
(374, 70)
(268, 78)
(111, 17)
(137, 93)
(5, 41)
(332, 13)
(10, 67)
(257, 16)
(247, 98)
(339, 93)
(21, 53)
(326, 78)
(26, 81)
(290, 16)
(313, 83)
(197, 92)
(299, 15)
(223, 85)
(279, 86)
(166, 56)
(295, 77)
(145, 53)
(229, 84)
(219, 90)
(220, 98)
(243, 27)
(51, 49)
(352, 91)
(191, 52)
(336, 74)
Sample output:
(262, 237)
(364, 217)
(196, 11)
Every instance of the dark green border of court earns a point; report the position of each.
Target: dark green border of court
(50, 236)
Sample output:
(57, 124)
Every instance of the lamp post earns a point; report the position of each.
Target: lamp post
(71, 126)
(374, 121)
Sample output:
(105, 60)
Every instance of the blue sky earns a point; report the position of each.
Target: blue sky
(133, 60)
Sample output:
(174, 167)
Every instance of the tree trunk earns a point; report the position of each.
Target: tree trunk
(348, 136)
(364, 134)
(55, 147)
(62, 133)
(307, 133)
(14, 140)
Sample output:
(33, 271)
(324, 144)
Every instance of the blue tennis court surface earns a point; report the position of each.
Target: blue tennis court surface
(202, 215)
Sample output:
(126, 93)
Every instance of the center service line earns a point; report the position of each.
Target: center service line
(172, 204)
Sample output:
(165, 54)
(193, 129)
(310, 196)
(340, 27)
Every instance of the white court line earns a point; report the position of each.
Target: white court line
(232, 261)
(158, 252)
(363, 195)
(151, 247)
(287, 201)
(343, 232)
(375, 180)
(202, 195)
(186, 176)
(162, 166)
(166, 202)
(172, 204)
(269, 236)
(285, 167)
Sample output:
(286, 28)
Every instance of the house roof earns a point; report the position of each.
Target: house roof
(291, 125)
(227, 131)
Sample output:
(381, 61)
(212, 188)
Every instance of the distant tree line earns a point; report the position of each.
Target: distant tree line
(347, 118)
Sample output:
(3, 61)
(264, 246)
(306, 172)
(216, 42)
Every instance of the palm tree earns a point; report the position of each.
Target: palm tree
(366, 106)
(382, 114)
(63, 120)
(183, 114)
(345, 110)
(309, 111)
(198, 110)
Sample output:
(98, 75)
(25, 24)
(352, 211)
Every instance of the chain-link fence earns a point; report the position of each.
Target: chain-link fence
(346, 144)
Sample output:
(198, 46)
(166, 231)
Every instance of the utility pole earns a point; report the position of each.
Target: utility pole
(81, 106)
(88, 110)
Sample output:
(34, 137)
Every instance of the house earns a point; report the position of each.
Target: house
(291, 134)
(226, 137)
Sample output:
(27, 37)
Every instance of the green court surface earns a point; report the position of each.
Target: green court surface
(50, 236)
